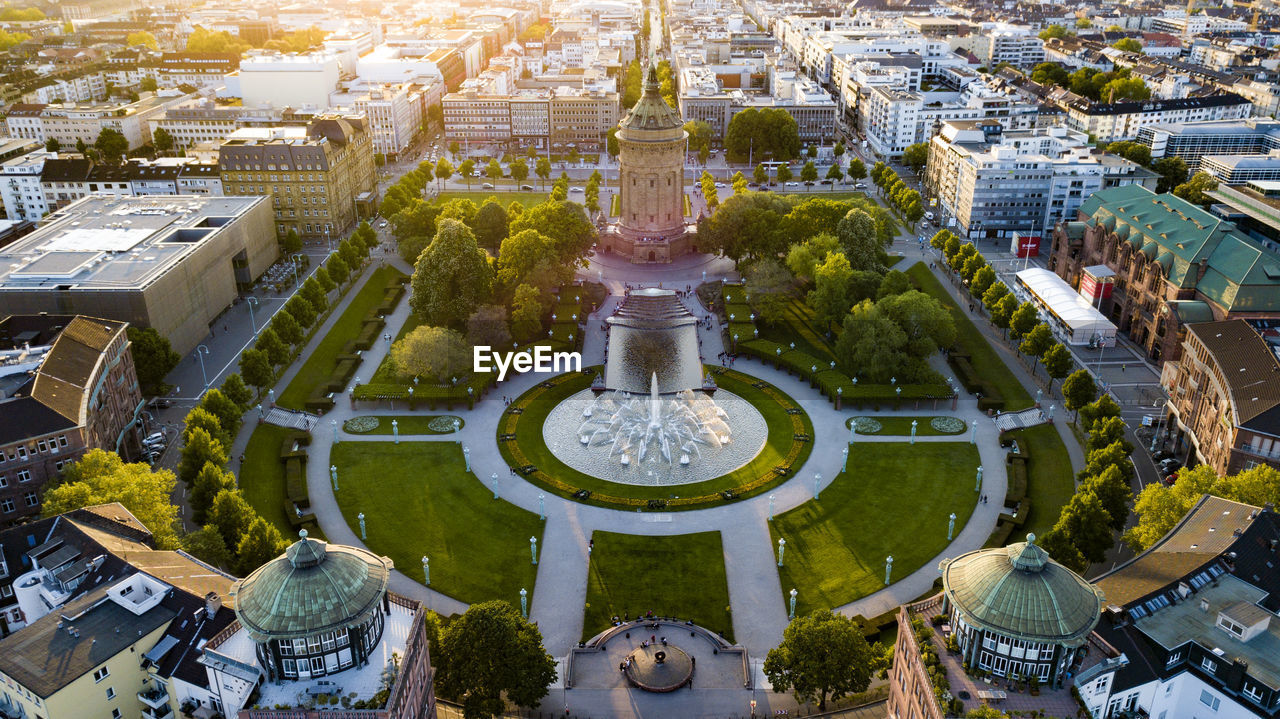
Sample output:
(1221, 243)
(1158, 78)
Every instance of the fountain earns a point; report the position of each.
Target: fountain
(652, 420)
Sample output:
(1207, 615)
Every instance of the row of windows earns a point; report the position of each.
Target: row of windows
(22, 475)
(41, 445)
(8, 505)
(312, 645)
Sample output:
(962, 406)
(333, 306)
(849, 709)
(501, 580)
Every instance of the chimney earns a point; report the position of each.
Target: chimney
(212, 603)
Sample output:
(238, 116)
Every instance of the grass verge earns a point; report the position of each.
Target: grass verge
(319, 364)
(894, 500)
(418, 500)
(262, 477)
(1050, 482)
(681, 576)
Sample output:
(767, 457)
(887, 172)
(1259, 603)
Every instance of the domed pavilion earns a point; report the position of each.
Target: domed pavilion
(1018, 613)
(315, 611)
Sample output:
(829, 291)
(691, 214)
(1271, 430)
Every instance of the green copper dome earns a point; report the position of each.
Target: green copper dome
(1020, 592)
(651, 111)
(315, 587)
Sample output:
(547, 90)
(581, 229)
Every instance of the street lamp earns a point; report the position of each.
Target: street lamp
(253, 302)
(771, 497)
(333, 473)
(782, 545)
(533, 549)
(493, 482)
(201, 351)
(524, 603)
(792, 615)
(426, 570)
(542, 506)
(294, 259)
(362, 532)
(844, 466)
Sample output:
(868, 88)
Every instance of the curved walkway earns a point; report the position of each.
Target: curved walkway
(755, 592)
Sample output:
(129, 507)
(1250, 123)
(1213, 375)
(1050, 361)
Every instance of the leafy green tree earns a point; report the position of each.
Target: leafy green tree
(491, 224)
(1036, 343)
(291, 242)
(857, 169)
(1060, 546)
(834, 173)
(206, 545)
(632, 85)
(211, 480)
(783, 173)
(519, 169)
(1122, 89)
(111, 146)
(739, 182)
(230, 514)
(809, 172)
(830, 295)
(1129, 150)
(1106, 432)
(699, 134)
(838, 150)
(237, 391)
(1112, 490)
(895, 282)
(982, 281)
(494, 170)
(767, 132)
(451, 278)
(1088, 525)
(822, 656)
(1115, 454)
(444, 170)
(100, 477)
(1195, 189)
(769, 284)
(925, 322)
(1078, 390)
(1083, 22)
(1057, 362)
(566, 223)
(804, 256)
(871, 346)
(1054, 31)
(996, 292)
(287, 328)
(526, 312)
(1160, 508)
(260, 543)
(255, 367)
(337, 269)
(153, 359)
(488, 326)
(1098, 410)
(1050, 73)
(431, 352)
(916, 156)
(1127, 44)
(1173, 172)
(270, 342)
(521, 253)
(857, 234)
(162, 140)
(200, 448)
(491, 653)
(220, 406)
(201, 418)
(1024, 319)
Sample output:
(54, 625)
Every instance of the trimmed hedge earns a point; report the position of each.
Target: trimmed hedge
(1017, 471)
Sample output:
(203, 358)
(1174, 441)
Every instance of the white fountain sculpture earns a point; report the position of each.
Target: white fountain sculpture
(636, 429)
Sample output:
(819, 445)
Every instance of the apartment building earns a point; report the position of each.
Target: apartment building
(69, 386)
(892, 119)
(395, 114)
(561, 116)
(1020, 47)
(1224, 392)
(318, 178)
(1175, 265)
(1111, 122)
(71, 123)
(20, 188)
(198, 69)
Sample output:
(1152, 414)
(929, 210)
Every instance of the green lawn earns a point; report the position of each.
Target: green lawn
(408, 424)
(418, 500)
(798, 325)
(681, 576)
(262, 477)
(1050, 481)
(971, 340)
(528, 199)
(780, 448)
(320, 364)
(894, 500)
(894, 425)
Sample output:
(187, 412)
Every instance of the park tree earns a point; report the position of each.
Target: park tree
(996, 292)
(829, 297)
(858, 239)
(745, 226)
(101, 477)
(811, 216)
(522, 253)
(259, 544)
(270, 342)
(519, 169)
(768, 283)
(783, 173)
(526, 312)
(982, 281)
(494, 170)
(111, 146)
(452, 276)
(1173, 172)
(1106, 432)
(804, 256)
(1061, 547)
(488, 326)
(337, 269)
(760, 174)
(287, 328)
(823, 655)
(236, 391)
(566, 223)
(857, 169)
(1098, 410)
(768, 132)
(230, 514)
(870, 345)
(926, 324)
(1111, 488)
(162, 140)
(809, 173)
(491, 224)
(916, 156)
(211, 480)
(1035, 343)
(255, 367)
(1057, 362)
(201, 418)
(1086, 523)
(444, 170)
(206, 545)
(1050, 73)
(461, 209)
(1195, 189)
(436, 353)
(491, 653)
(1078, 390)
(200, 448)
(1024, 319)
(1002, 312)
(223, 408)
(1115, 454)
(834, 173)
(153, 359)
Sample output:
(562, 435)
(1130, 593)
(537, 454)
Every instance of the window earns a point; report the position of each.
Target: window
(1209, 700)
(24, 475)
(101, 674)
(1174, 658)
(4, 481)
(1253, 691)
(31, 499)
(115, 713)
(1209, 665)
(111, 693)
(7, 504)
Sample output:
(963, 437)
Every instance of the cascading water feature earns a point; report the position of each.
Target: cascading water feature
(636, 429)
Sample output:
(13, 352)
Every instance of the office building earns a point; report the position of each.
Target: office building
(1193, 140)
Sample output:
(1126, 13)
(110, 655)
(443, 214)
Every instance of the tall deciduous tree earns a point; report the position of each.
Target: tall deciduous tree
(769, 284)
(236, 391)
(153, 359)
(286, 327)
(270, 342)
(822, 656)
(1112, 490)
(452, 277)
(100, 477)
(435, 352)
(1024, 319)
(256, 368)
(211, 480)
(491, 224)
(830, 295)
(200, 448)
(259, 544)
(1078, 390)
(916, 156)
(489, 653)
(1036, 343)
(1057, 362)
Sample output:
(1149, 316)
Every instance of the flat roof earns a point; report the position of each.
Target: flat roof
(113, 243)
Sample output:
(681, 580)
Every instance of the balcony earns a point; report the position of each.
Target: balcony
(161, 712)
(155, 698)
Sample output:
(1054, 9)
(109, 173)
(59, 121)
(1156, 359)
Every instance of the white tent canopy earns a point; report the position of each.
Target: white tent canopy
(1075, 320)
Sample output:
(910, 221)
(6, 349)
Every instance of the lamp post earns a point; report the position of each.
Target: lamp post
(260, 412)
(782, 545)
(844, 466)
(973, 432)
(253, 302)
(334, 424)
(913, 429)
(201, 351)
(817, 484)
(951, 526)
(771, 498)
(524, 603)
(493, 482)
(542, 506)
(294, 261)
(888, 569)
(362, 532)
(792, 615)
(466, 457)
(1051, 412)
(978, 487)
(426, 570)
(533, 549)
(395, 430)
(333, 474)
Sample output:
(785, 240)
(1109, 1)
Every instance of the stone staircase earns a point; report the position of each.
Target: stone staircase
(1017, 420)
(291, 418)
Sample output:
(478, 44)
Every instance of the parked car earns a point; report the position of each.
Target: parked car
(793, 184)
(1161, 455)
(824, 182)
(860, 186)
(1169, 465)
(720, 185)
(153, 438)
(576, 189)
(526, 188)
(1170, 479)
(487, 185)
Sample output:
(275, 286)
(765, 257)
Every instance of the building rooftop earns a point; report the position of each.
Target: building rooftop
(115, 243)
(1251, 371)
